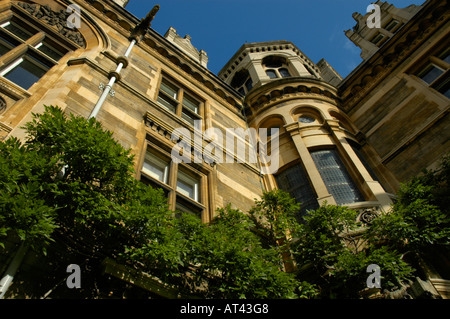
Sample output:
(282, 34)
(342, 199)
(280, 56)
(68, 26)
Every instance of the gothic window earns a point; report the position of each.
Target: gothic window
(336, 177)
(180, 183)
(276, 67)
(294, 181)
(284, 72)
(27, 52)
(178, 100)
(242, 82)
(271, 74)
(435, 73)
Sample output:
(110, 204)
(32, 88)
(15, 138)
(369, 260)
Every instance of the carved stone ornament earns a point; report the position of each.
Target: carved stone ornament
(2, 104)
(57, 20)
(368, 215)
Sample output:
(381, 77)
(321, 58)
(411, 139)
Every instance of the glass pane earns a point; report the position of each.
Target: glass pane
(191, 103)
(166, 103)
(284, 73)
(391, 25)
(3, 49)
(8, 40)
(188, 117)
(271, 74)
(431, 74)
(186, 207)
(19, 31)
(306, 119)
(156, 167)
(445, 89)
(249, 84)
(50, 51)
(187, 185)
(26, 73)
(377, 38)
(295, 182)
(447, 93)
(170, 89)
(336, 178)
(446, 57)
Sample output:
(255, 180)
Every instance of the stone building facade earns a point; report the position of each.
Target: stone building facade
(345, 141)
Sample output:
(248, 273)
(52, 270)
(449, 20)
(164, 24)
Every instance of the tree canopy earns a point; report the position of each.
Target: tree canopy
(70, 188)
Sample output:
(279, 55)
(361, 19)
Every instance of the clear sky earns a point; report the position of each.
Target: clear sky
(221, 27)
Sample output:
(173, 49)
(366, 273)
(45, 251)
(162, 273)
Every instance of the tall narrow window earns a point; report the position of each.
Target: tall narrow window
(294, 181)
(156, 167)
(336, 177)
(271, 74)
(284, 72)
(188, 185)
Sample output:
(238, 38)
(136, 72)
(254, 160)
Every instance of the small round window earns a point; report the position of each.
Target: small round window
(306, 119)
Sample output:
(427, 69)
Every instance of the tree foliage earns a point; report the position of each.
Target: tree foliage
(420, 216)
(72, 186)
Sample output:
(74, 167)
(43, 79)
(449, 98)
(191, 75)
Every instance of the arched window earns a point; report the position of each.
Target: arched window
(284, 72)
(272, 74)
(336, 177)
(294, 181)
(306, 119)
(276, 67)
(242, 82)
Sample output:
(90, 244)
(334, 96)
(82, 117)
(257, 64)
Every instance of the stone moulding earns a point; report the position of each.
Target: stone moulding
(289, 88)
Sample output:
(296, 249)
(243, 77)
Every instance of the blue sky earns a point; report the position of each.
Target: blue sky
(220, 27)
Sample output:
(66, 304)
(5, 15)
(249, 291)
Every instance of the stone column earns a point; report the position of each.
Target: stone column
(310, 167)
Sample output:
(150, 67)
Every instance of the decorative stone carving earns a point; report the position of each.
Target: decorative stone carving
(57, 20)
(2, 104)
(368, 215)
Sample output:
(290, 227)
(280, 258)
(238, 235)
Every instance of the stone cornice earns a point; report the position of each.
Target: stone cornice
(282, 90)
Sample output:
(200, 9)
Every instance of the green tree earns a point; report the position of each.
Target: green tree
(71, 184)
(24, 212)
(224, 259)
(331, 252)
(420, 216)
(78, 185)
